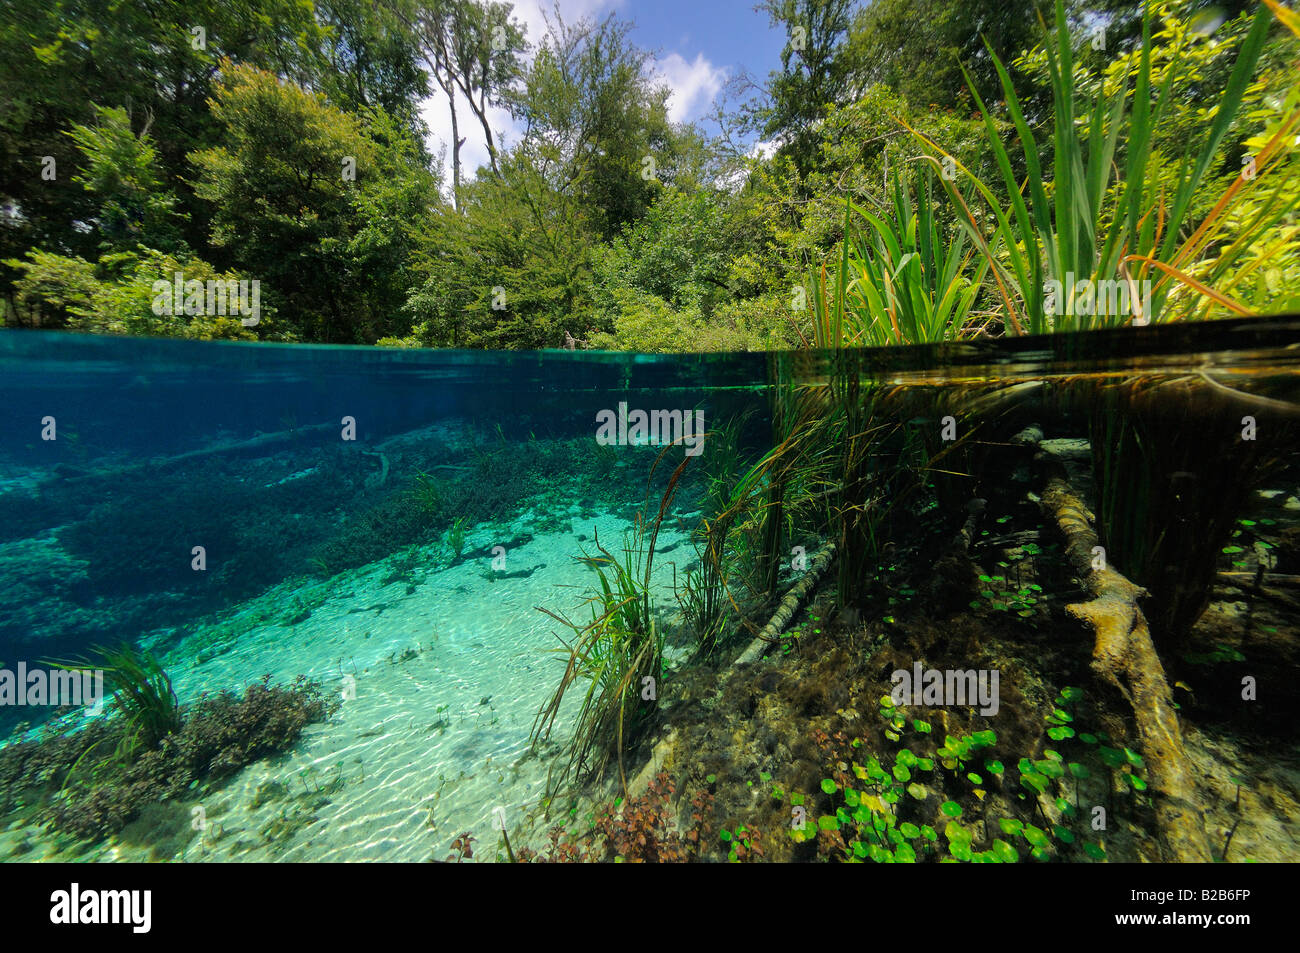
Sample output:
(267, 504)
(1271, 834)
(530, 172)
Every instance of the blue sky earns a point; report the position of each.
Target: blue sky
(697, 46)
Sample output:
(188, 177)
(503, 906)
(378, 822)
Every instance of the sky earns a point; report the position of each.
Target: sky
(696, 45)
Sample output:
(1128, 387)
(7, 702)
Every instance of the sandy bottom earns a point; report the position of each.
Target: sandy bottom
(441, 675)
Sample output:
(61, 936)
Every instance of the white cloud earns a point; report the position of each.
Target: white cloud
(530, 13)
(692, 84)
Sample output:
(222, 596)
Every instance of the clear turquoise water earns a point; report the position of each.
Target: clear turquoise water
(298, 471)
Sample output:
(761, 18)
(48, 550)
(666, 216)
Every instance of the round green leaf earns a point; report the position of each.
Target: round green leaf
(1004, 852)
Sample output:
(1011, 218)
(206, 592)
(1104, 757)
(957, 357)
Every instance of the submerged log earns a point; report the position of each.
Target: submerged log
(1252, 588)
(260, 442)
(789, 605)
(1125, 657)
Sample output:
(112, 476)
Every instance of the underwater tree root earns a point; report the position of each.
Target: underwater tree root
(769, 634)
(1125, 657)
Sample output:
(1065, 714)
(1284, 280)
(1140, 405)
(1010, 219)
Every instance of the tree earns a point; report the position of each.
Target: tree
(302, 196)
(120, 169)
(368, 58)
(595, 125)
(893, 36)
(157, 61)
(472, 49)
(816, 71)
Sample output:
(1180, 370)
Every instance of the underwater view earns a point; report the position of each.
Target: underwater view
(1034, 598)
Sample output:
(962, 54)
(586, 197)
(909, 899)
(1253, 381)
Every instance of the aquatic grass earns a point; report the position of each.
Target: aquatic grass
(704, 598)
(114, 776)
(618, 653)
(754, 509)
(904, 278)
(1164, 528)
(612, 652)
(427, 494)
(142, 694)
(1095, 225)
(456, 536)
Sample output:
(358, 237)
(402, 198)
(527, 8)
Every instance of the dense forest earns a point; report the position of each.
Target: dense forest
(281, 141)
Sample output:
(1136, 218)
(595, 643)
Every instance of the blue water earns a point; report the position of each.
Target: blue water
(388, 522)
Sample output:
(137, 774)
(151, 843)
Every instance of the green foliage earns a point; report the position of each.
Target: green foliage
(114, 776)
(1112, 165)
(118, 295)
(456, 536)
(1095, 224)
(903, 280)
(1003, 596)
(121, 171)
(890, 809)
(893, 36)
(286, 207)
(816, 71)
(618, 653)
(143, 694)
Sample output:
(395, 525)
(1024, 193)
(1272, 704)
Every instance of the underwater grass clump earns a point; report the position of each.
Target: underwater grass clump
(93, 782)
(143, 694)
(615, 653)
(619, 653)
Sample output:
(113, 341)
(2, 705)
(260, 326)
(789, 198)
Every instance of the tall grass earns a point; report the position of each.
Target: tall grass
(142, 694)
(1088, 223)
(614, 653)
(903, 276)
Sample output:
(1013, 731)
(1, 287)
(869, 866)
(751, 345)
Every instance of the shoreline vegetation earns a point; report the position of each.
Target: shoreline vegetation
(1067, 166)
